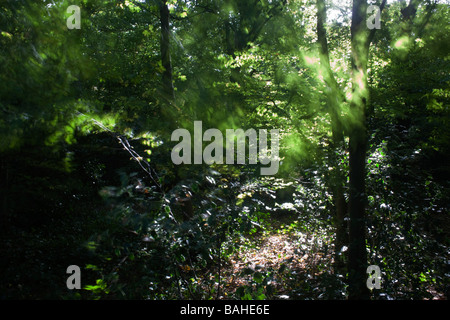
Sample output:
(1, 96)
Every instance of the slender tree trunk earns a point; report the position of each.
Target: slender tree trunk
(334, 100)
(170, 112)
(165, 52)
(357, 149)
(230, 50)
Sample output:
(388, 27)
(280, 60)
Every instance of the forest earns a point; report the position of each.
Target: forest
(224, 149)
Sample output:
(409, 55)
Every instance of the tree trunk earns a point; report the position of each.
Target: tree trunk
(334, 100)
(357, 147)
(170, 112)
(357, 198)
(165, 52)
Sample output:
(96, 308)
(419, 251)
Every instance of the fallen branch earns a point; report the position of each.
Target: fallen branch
(126, 145)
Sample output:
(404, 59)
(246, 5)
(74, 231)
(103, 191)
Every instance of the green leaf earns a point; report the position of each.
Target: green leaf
(258, 277)
(261, 297)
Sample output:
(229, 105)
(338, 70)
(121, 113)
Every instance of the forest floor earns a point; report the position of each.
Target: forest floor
(268, 259)
(280, 262)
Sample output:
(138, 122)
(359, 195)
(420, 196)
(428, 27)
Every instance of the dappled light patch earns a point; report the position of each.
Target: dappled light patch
(274, 269)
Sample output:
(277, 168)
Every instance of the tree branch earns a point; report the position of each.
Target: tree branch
(336, 95)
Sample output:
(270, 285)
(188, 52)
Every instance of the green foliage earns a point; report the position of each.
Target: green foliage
(86, 174)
